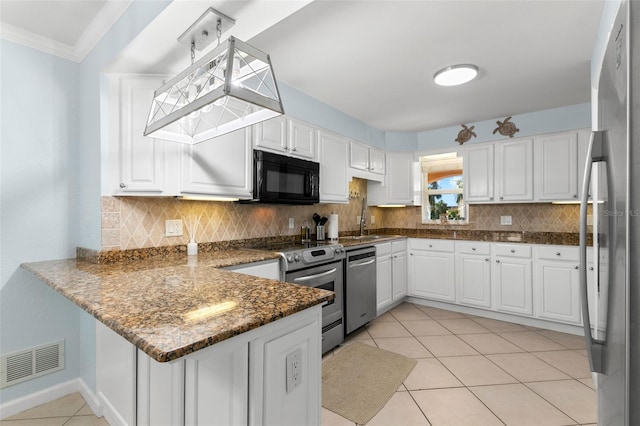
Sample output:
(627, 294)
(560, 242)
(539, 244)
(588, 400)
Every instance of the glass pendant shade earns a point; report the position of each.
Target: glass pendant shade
(231, 87)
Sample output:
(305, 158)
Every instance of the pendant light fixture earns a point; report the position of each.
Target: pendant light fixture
(456, 74)
(229, 88)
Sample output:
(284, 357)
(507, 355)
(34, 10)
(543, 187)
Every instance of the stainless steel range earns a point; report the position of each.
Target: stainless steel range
(321, 265)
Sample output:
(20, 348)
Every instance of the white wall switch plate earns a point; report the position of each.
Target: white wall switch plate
(292, 223)
(173, 228)
(505, 220)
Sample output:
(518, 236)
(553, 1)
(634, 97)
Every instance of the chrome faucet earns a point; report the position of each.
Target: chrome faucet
(363, 220)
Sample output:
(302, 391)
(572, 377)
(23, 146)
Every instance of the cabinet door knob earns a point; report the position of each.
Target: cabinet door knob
(513, 250)
(410, 254)
(122, 185)
(591, 268)
(473, 248)
(558, 253)
(430, 245)
(491, 198)
(285, 148)
(486, 259)
(294, 149)
(576, 267)
(575, 195)
(501, 197)
(497, 260)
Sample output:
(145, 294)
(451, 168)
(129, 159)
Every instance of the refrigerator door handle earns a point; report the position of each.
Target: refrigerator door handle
(594, 347)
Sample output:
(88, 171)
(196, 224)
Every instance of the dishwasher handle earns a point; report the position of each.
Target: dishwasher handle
(355, 265)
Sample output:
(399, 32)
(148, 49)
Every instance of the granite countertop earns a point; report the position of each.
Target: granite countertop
(170, 307)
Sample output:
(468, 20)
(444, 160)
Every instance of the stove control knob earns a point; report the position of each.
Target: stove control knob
(289, 259)
(296, 258)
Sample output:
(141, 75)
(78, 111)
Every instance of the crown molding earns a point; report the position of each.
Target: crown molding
(108, 16)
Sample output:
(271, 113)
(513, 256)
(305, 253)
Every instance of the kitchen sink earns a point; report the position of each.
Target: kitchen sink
(363, 237)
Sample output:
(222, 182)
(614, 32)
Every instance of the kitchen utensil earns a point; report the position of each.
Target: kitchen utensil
(316, 218)
(323, 221)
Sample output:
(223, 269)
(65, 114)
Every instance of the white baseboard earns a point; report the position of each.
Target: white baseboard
(19, 405)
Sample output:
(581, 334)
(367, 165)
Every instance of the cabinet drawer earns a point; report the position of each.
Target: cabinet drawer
(473, 247)
(432, 245)
(383, 249)
(398, 246)
(558, 253)
(513, 250)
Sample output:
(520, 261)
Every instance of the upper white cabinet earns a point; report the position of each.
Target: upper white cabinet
(398, 181)
(333, 151)
(365, 158)
(478, 173)
(140, 166)
(220, 166)
(556, 161)
(515, 170)
(286, 136)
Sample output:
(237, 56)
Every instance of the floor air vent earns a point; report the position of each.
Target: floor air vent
(28, 364)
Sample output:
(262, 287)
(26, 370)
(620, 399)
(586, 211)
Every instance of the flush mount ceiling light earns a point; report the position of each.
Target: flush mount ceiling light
(229, 88)
(456, 74)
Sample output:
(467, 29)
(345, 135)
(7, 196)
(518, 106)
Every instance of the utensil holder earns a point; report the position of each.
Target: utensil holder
(320, 233)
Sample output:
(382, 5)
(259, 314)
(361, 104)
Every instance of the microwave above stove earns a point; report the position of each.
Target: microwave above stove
(278, 179)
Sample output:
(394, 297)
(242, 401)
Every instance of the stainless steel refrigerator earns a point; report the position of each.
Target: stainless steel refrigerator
(610, 214)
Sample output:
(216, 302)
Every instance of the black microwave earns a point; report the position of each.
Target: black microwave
(279, 179)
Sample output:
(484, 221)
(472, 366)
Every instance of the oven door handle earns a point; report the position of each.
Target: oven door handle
(369, 262)
(315, 277)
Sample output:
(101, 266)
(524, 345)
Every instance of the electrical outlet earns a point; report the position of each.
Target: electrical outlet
(173, 228)
(292, 223)
(373, 220)
(505, 220)
(294, 369)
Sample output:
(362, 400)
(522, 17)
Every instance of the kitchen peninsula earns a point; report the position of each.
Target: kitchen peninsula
(181, 341)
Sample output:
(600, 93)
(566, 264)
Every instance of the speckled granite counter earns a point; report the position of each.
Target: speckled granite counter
(555, 238)
(170, 307)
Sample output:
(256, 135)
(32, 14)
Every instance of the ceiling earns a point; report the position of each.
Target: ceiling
(374, 60)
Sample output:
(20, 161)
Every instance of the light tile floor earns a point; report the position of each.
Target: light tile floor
(478, 371)
(70, 410)
(470, 371)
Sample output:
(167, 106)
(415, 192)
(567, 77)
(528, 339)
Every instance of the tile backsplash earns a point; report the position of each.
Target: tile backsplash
(139, 222)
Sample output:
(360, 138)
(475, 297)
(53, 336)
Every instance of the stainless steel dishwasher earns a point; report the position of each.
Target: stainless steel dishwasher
(360, 288)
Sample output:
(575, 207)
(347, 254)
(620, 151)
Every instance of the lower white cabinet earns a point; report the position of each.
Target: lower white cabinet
(391, 273)
(512, 279)
(557, 284)
(221, 166)
(432, 269)
(473, 273)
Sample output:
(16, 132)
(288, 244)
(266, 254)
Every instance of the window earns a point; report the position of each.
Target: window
(442, 190)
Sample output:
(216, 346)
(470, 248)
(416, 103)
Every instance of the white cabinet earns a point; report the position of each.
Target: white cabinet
(137, 163)
(473, 273)
(512, 178)
(221, 166)
(432, 269)
(556, 160)
(478, 173)
(333, 151)
(391, 273)
(557, 284)
(365, 158)
(512, 279)
(515, 170)
(398, 182)
(286, 136)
